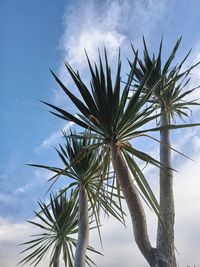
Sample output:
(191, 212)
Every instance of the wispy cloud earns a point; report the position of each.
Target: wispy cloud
(90, 28)
(53, 138)
(11, 235)
(109, 23)
(10, 230)
(22, 189)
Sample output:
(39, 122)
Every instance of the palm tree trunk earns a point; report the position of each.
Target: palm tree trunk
(134, 205)
(56, 257)
(83, 228)
(165, 237)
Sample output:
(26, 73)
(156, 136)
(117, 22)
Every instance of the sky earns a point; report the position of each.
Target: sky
(38, 35)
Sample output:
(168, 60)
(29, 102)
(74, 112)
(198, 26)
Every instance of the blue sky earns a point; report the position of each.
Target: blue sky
(38, 35)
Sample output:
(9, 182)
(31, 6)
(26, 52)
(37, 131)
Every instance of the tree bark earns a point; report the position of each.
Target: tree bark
(165, 237)
(83, 228)
(56, 257)
(134, 205)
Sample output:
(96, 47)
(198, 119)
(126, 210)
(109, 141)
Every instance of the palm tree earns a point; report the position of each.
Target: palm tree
(59, 222)
(115, 119)
(168, 95)
(84, 168)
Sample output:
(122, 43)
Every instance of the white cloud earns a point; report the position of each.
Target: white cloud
(22, 189)
(110, 23)
(12, 231)
(187, 199)
(91, 40)
(11, 235)
(92, 25)
(89, 28)
(53, 138)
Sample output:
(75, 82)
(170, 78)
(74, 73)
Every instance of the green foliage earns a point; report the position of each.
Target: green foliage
(85, 165)
(107, 113)
(170, 81)
(58, 222)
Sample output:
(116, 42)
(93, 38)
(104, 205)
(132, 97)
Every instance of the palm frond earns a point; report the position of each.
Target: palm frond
(170, 80)
(59, 221)
(114, 116)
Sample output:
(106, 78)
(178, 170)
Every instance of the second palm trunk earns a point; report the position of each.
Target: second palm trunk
(165, 233)
(83, 228)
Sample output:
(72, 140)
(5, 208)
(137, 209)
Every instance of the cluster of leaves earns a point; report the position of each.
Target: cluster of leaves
(109, 116)
(59, 219)
(59, 223)
(170, 81)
